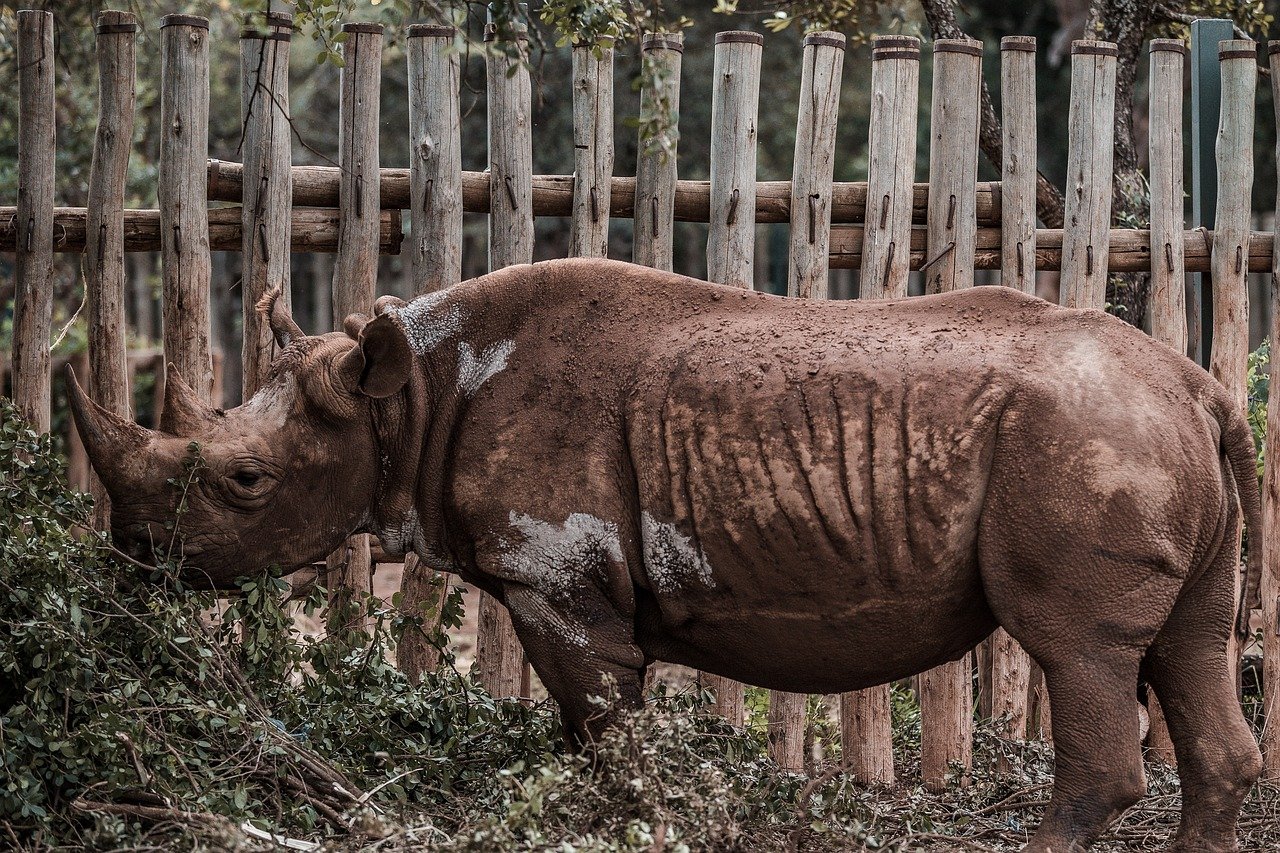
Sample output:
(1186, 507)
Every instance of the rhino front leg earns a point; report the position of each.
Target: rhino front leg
(577, 646)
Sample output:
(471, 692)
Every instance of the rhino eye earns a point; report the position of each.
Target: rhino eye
(246, 477)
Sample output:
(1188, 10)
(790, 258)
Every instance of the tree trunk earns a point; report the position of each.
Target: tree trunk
(941, 17)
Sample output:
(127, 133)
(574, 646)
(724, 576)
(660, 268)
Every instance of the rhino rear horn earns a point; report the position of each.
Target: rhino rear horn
(184, 413)
(276, 310)
(114, 444)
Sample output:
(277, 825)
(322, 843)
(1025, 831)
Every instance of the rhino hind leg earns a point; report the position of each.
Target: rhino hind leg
(1218, 759)
(1086, 601)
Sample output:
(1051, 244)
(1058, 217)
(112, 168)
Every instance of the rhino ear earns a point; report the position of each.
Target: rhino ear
(379, 364)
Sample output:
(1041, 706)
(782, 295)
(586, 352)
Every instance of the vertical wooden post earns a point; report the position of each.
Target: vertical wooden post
(1228, 265)
(356, 265)
(592, 149)
(953, 165)
(1010, 680)
(946, 694)
(814, 164)
(812, 171)
(656, 159)
(349, 570)
(33, 297)
(435, 159)
(499, 657)
(866, 735)
(890, 178)
(946, 722)
(183, 194)
(1168, 273)
(268, 186)
(1168, 284)
(1005, 669)
(866, 719)
(1018, 174)
(891, 166)
(735, 103)
(1271, 500)
(435, 261)
(1086, 238)
(104, 272)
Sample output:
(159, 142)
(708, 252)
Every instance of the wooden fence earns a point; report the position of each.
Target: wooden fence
(886, 227)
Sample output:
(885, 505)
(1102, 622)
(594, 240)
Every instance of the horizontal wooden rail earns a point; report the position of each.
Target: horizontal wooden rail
(1130, 249)
(317, 186)
(313, 230)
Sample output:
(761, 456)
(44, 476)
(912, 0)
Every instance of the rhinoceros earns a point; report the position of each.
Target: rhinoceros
(807, 496)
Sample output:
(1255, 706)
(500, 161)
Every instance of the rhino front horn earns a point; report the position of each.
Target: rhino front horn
(184, 413)
(114, 444)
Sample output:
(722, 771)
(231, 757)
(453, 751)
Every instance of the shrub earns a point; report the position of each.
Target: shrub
(120, 704)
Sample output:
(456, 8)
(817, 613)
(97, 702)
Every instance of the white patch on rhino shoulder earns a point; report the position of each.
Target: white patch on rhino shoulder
(671, 557)
(554, 557)
(474, 371)
(425, 327)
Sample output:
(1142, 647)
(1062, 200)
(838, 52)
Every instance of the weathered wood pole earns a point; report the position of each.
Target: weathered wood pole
(1229, 261)
(891, 163)
(435, 262)
(1168, 273)
(1005, 669)
(435, 162)
(735, 104)
(104, 272)
(268, 191)
(592, 149)
(953, 165)
(182, 192)
(312, 229)
(866, 720)
(349, 570)
(1089, 154)
(814, 164)
(499, 657)
(1271, 502)
(731, 237)
(866, 735)
(812, 171)
(356, 267)
(1018, 174)
(33, 297)
(1234, 153)
(946, 693)
(655, 196)
(317, 186)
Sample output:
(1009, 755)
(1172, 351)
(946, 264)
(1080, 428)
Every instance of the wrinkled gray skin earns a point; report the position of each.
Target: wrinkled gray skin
(807, 496)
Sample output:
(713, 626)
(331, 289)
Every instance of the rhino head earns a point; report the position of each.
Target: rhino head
(281, 480)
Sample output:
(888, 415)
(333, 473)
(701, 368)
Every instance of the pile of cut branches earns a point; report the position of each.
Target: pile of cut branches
(124, 706)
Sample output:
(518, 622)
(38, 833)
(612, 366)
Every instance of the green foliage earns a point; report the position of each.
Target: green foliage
(1259, 384)
(117, 691)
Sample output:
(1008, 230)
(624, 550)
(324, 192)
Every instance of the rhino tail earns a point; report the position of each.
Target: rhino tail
(1241, 455)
